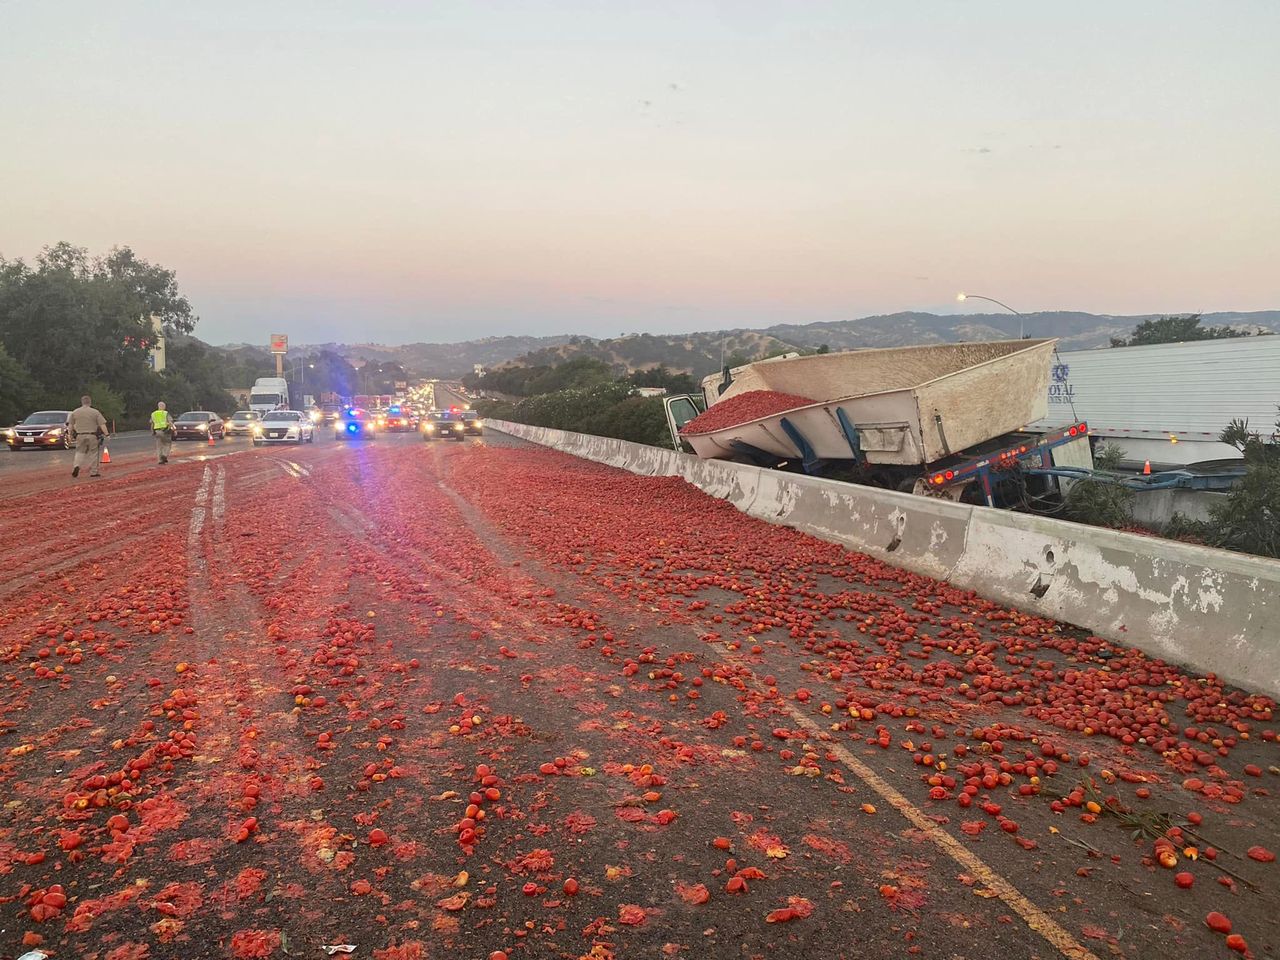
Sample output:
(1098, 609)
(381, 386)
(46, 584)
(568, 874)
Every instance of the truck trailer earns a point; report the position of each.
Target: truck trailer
(1168, 403)
(945, 420)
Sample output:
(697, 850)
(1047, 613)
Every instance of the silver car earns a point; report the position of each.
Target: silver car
(242, 422)
(284, 426)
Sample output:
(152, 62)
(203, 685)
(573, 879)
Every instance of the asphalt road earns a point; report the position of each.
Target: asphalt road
(442, 699)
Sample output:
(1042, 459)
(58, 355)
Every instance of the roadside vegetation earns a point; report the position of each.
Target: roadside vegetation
(1248, 518)
(1098, 503)
(583, 395)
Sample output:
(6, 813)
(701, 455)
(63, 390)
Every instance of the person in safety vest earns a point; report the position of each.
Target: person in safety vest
(162, 429)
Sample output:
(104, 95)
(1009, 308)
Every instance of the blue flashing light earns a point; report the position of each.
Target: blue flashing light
(352, 427)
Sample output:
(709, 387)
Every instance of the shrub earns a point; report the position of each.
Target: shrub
(1098, 502)
(1249, 518)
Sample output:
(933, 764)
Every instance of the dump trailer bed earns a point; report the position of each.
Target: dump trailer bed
(903, 406)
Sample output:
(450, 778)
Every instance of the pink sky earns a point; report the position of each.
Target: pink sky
(456, 170)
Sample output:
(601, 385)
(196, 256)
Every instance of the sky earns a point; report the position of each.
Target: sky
(443, 171)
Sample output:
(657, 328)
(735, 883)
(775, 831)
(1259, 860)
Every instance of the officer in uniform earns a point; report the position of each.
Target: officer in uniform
(88, 428)
(162, 430)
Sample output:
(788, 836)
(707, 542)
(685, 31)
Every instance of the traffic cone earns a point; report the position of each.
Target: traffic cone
(1146, 469)
(211, 439)
(106, 455)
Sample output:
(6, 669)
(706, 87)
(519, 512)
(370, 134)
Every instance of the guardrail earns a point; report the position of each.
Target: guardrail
(1211, 610)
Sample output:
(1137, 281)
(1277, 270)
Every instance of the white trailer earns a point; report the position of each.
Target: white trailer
(1168, 402)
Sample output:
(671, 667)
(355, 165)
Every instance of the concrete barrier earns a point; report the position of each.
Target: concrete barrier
(1211, 610)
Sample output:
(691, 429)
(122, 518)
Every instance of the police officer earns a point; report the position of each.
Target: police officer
(162, 430)
(88, 428)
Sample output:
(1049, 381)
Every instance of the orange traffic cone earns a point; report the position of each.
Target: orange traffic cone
(1146, 469)
(211, 439)
(106, 455)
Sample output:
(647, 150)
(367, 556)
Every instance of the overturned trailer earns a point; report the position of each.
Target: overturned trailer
(944, 419)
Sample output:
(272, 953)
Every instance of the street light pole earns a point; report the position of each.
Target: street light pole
(973, 296)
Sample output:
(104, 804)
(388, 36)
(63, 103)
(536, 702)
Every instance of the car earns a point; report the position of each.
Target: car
(472, 423)
(284, 426)
(399, 419)
(198, 425)
(241, 423)
(355, 424)
(44, 428)
(331, 412)
(443, 425)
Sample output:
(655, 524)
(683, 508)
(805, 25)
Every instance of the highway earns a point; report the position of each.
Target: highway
(483, 699)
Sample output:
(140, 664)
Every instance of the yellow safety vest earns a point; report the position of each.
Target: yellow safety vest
(159, 419)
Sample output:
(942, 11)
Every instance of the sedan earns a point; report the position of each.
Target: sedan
(198, 425)
(45, 428)
(400, 419)
(443, 425)
(242, 423)
(284, 426)
(355, 424)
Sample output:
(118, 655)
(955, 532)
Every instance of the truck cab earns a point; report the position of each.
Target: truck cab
(269, 393)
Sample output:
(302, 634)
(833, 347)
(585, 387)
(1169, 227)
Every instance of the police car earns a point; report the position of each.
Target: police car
(399, 418)
(355, 424)
(284, 426)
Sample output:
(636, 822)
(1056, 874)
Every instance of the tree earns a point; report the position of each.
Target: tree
(16, 389)
(329, 372)
(1249, 517)
(71, 320)
(660, 376)
(1175, 329)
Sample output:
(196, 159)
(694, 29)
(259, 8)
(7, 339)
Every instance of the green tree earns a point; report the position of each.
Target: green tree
(329, 372)
(1249, 518)
(17, 389)
(660, 376)
(1175, 329)
(110, 402)
(70, 320)
(579, 373)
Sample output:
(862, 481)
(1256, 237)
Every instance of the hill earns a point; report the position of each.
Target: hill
(701, 352)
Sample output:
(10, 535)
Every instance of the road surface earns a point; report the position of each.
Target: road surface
(482, 699)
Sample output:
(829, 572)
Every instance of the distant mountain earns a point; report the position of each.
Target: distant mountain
(700, 353)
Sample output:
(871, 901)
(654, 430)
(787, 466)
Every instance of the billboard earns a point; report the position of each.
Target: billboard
(279, 343)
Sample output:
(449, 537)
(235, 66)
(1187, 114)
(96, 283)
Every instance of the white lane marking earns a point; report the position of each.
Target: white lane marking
(219, 495)
(197, 521)
(202, 491)
(297, 471)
